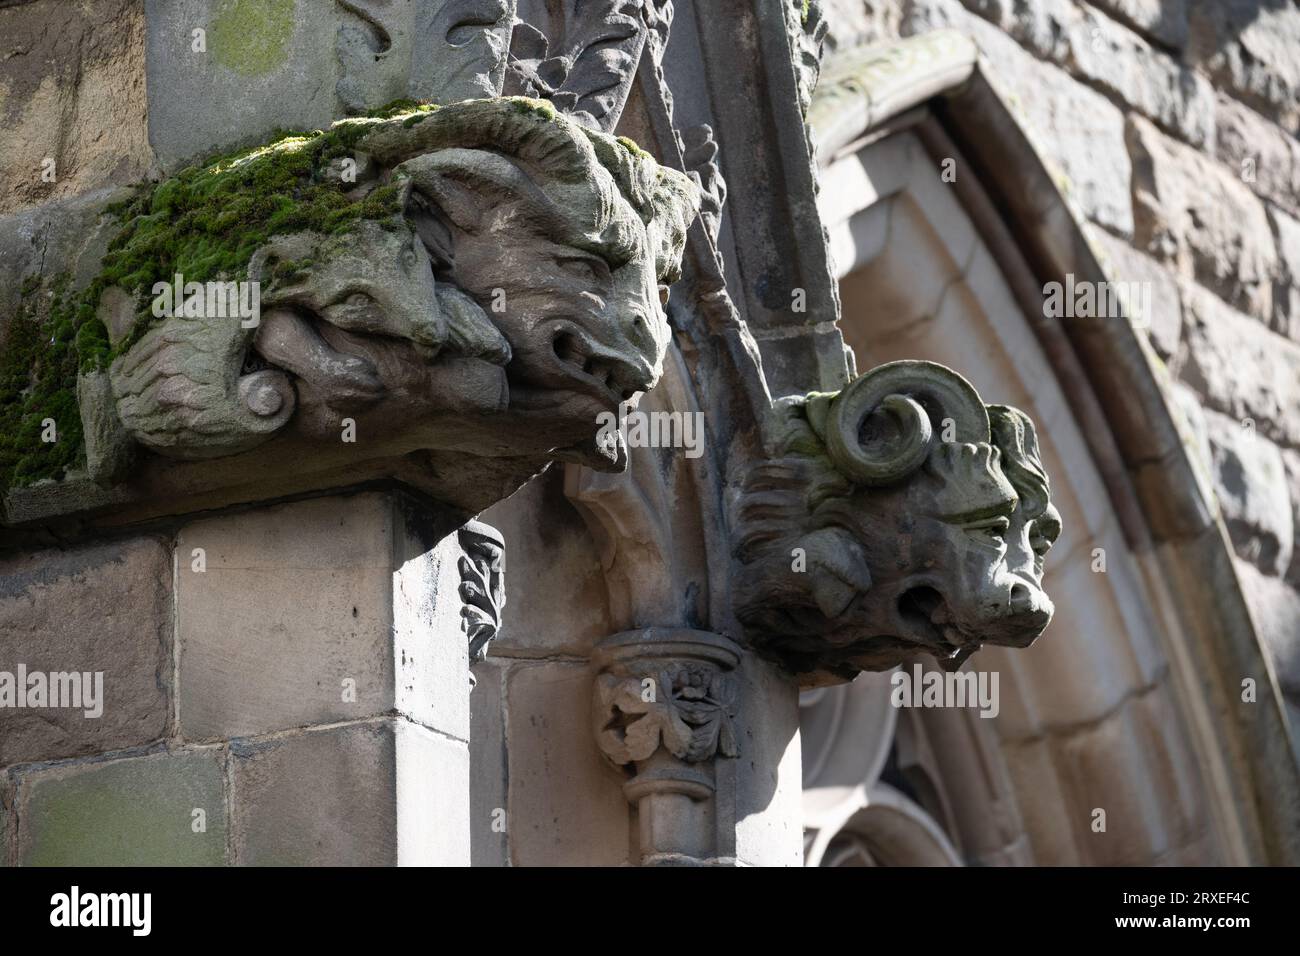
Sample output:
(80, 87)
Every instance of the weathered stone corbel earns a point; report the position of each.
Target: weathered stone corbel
(663, 708)
(449, 295)
(896, 518)
(482, 568)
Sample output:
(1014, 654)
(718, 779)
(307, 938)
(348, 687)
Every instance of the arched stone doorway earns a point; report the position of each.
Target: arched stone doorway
(1108, 712)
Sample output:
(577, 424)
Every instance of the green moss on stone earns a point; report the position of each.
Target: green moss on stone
(251, 36)
(38, 377)
(525, 104)
(631, 146)
(204, 223)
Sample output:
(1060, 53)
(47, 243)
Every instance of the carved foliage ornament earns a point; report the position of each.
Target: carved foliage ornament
(482, 568)
(581, 57)
(500, 288)
(664, 701)
(897, 518)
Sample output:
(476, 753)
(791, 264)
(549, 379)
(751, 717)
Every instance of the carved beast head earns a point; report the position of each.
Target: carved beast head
(521, 279)
(899, 517)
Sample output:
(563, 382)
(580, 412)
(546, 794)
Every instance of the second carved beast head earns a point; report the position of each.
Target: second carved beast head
(899, 517)
(508, 292)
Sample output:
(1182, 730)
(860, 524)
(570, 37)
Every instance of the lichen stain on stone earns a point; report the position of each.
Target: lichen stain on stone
(250, 36)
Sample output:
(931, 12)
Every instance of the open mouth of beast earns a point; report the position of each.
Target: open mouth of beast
(927, 619)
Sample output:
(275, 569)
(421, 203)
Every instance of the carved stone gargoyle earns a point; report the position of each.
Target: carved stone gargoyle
(896, 518)
(501, 287)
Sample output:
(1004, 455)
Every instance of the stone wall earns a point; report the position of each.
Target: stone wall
(284, 685)
(1173, 125)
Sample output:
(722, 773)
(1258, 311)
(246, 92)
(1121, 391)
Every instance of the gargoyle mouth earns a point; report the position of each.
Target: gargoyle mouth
(926, 619)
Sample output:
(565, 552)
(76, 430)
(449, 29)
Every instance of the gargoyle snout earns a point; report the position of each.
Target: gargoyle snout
(620, 373)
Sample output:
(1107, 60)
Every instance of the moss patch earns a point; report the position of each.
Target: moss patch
(205, 223)
(250, 36)
(38, 375)
(631, 146)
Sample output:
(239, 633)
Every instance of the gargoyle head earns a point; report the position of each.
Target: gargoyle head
(899, 517)
(503, 286)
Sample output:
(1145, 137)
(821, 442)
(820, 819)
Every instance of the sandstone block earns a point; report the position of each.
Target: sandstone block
(99, 609)
(1125, 265)
(1248, 49)
(566, 805)
(318, 611)
(372, 794)
(1241, 368)
(1263, 155)
(1251, 484)
(1200, 215)
(140, 811)
(488, 766)
(72, 99)
(1076, 128)
(1286, 291)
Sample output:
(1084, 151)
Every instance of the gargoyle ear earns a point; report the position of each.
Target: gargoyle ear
(434, 230)
(837, 569)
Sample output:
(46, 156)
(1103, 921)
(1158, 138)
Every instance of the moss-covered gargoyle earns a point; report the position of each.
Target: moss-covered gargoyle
(480, 279)
(896, 519)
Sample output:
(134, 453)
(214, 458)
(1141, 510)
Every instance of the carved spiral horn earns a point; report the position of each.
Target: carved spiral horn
(918, 397)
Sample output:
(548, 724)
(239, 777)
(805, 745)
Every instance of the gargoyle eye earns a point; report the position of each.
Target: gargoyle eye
(358, 298)
(582, 268)
(994, 530)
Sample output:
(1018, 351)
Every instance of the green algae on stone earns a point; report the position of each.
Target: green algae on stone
(250, 36)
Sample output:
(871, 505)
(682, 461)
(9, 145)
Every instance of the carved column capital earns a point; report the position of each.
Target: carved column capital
(664, 711)
(896, 518)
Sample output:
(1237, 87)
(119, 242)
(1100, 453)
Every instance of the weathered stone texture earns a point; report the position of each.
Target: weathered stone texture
(370, 794)
(322, 798)
(1196, 214)
(489, 767)
(1241, 368)
(1249, 49)
(566, 805)
(1124, 264)
(1164, 22)
(1286, 290)
(252, 661)
(1113, 59)
(1075, 127)
(1262, 155)
(72, 90)
(1291, 462)
(1251, 484)
(1275, 608)
(549, 557)
(99, 608)
(138, 811)
(263, 68)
